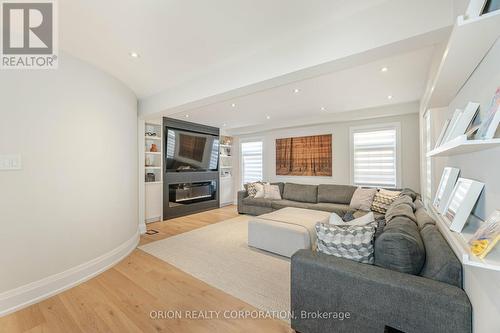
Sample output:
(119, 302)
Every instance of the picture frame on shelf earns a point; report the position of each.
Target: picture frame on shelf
(489, 125)
(465, 120)
(453, 123)
(446, 185)
(486, 236)
(441, 136)
(462, 200)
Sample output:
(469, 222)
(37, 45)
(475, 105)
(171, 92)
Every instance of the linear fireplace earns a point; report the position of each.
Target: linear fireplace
(190, 193)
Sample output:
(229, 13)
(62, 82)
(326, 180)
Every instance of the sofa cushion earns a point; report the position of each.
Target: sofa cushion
(423, 218)
(441, 263)
(302, 193)
(401, 207)
(340, 209)
(332, 193)
(400, 247)
(278, 204)
(260, 202)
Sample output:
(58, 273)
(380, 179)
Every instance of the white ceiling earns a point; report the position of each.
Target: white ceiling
(356, 88)
(199, 57)
(180, 40)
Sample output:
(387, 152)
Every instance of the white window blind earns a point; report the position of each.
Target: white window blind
(374, 157)
(251, 161)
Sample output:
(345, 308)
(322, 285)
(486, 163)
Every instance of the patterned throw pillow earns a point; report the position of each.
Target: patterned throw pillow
(252, 188)
(383, 199)
(349, 242)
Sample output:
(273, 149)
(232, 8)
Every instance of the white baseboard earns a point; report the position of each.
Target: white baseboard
(21, 297)
(142, 228)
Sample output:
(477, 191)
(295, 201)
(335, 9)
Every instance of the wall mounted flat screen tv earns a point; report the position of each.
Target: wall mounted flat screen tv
(191, 151)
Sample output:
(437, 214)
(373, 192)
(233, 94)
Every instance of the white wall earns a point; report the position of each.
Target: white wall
(76, 197)
(483, 287)
(341, 149)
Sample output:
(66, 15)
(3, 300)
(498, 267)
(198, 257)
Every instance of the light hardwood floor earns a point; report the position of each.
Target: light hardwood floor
(122, 298)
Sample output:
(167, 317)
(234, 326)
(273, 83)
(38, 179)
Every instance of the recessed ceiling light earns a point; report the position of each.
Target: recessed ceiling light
(233, 105)
(134, 54)
(323, 108)
(384, 69)
(296, 90)
(187, 116)
(389, 97)
(268, 117)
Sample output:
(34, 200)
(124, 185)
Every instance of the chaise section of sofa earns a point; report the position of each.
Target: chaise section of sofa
(414, 286)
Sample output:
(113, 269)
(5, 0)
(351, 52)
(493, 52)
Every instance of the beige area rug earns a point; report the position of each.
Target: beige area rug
(218, 254)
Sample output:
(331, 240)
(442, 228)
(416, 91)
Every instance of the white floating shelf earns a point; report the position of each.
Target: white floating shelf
(226, 167)
(151, 183)
(469, 42)
(226, 146)
(153, 167)
(458, 243)
(153, 153)
(461, 146)
(152, 138)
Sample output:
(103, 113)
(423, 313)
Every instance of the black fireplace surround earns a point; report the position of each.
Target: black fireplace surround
(187, 191)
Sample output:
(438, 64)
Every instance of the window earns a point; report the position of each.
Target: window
(375, 156)
(251, 161)
(428, 162)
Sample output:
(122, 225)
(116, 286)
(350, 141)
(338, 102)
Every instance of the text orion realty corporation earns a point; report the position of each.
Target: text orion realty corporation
(29, 34)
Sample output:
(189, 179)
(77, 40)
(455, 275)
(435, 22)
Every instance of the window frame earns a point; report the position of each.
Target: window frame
(240, 157)
(373, 128)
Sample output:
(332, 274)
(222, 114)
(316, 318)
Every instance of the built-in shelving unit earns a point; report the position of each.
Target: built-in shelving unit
(226, 170)
(461, 146)
(469, 42)
(152, 151)
(153, 175)
(459, 243)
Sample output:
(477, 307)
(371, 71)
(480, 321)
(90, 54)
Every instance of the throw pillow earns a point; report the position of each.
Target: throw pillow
(362, 198)
(272, 192)
(260, 190)
(383, 199)
(349, 242)
(335, 219)
(363, 220)
(252, 189)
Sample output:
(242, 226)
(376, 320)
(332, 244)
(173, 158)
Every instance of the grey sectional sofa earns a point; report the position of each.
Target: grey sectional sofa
(325, 197)
(415, 284)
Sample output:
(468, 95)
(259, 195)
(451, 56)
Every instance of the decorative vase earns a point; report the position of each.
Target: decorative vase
(154, 148)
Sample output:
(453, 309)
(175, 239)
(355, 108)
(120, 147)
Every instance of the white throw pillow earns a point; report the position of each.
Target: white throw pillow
(362, 198)
(260, 190)
(360, 221)
(272, 192)
(336, 220)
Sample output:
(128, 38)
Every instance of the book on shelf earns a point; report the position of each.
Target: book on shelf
(486, 237)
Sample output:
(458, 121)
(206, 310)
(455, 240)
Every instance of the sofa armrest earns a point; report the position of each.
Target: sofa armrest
(241, 195)
(374, 294)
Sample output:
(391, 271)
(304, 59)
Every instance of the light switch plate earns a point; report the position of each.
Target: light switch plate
(10, 162)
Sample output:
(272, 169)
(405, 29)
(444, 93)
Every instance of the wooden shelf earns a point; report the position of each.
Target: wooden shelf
(469, 42)
(458, 243)
(152, 137)
(461, 146)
